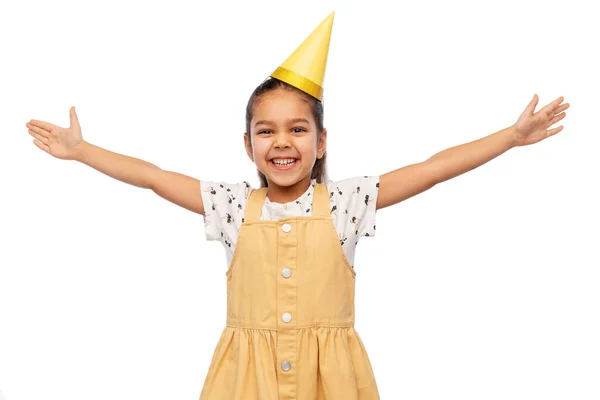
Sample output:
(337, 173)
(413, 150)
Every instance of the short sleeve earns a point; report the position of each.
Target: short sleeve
(355, 200)
(224, 205)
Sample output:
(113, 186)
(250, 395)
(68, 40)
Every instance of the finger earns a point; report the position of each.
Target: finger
(532, 104)
(548, 109)
(38, 130)
(556, 102)
(41, 145)
(554, 131)
(555, 119)
(562, 108)
(38, 137)
(73, 117)
(44, 125)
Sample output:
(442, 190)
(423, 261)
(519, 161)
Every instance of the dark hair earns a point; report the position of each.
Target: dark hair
(319, 171)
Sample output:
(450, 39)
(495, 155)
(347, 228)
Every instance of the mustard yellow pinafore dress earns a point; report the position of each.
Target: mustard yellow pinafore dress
(290, 313)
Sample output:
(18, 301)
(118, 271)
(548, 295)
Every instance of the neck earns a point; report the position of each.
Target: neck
(285, 194)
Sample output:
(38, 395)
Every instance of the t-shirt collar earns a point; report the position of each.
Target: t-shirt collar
(294, 202)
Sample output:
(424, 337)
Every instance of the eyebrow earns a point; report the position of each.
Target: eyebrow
(292, 120)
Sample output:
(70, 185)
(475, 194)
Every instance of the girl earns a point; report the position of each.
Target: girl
(290, 244)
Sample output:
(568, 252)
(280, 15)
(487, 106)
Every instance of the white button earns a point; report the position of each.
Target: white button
(286, 317)
(286, 272)
(286, 365)
(286, 227)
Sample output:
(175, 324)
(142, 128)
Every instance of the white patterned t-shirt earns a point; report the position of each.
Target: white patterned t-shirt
(352, 207)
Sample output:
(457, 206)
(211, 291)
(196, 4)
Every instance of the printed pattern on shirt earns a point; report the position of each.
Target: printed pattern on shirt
(223, 209)
(352, 207)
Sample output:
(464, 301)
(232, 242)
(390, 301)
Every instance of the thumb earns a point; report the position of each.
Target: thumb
(73, 117)
(532, 104)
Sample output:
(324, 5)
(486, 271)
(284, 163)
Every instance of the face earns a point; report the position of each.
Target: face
(284, 131)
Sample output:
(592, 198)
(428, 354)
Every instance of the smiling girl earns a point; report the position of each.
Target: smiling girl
(290, 244)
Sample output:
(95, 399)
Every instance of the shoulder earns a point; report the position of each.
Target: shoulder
(224, 205)
(225, 189)
(356, 196)
(357, 187)
(354, 201)
(224, 194)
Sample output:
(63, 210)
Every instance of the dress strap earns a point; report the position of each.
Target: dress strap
(321, 201)
(254, 204)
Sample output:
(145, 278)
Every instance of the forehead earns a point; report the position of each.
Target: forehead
(280, 105)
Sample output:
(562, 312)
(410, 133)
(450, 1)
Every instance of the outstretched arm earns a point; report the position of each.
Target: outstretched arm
(177, 188)
(400, 184)
(68, 144)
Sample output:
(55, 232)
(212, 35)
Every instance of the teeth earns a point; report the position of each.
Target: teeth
(284, 162)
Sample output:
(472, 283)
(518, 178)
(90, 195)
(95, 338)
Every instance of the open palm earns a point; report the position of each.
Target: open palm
(59, 142)
(533, 127)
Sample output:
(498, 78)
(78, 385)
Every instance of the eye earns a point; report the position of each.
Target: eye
(301, 130)
(264, 131)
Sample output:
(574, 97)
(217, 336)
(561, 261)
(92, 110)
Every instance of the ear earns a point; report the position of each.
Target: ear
(248, 147)
(322, 144)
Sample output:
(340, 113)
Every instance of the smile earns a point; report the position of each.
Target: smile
(283, 165)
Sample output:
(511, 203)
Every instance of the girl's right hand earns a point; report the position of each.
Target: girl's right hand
(60, 142)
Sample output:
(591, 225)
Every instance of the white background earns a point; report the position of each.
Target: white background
(483, 287)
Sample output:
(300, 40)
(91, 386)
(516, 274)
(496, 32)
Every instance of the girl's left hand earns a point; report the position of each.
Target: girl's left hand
(530, 128)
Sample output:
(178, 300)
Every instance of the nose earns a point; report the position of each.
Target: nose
(282, 139)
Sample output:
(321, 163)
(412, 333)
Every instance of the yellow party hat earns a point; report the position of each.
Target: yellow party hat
(305, 68)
